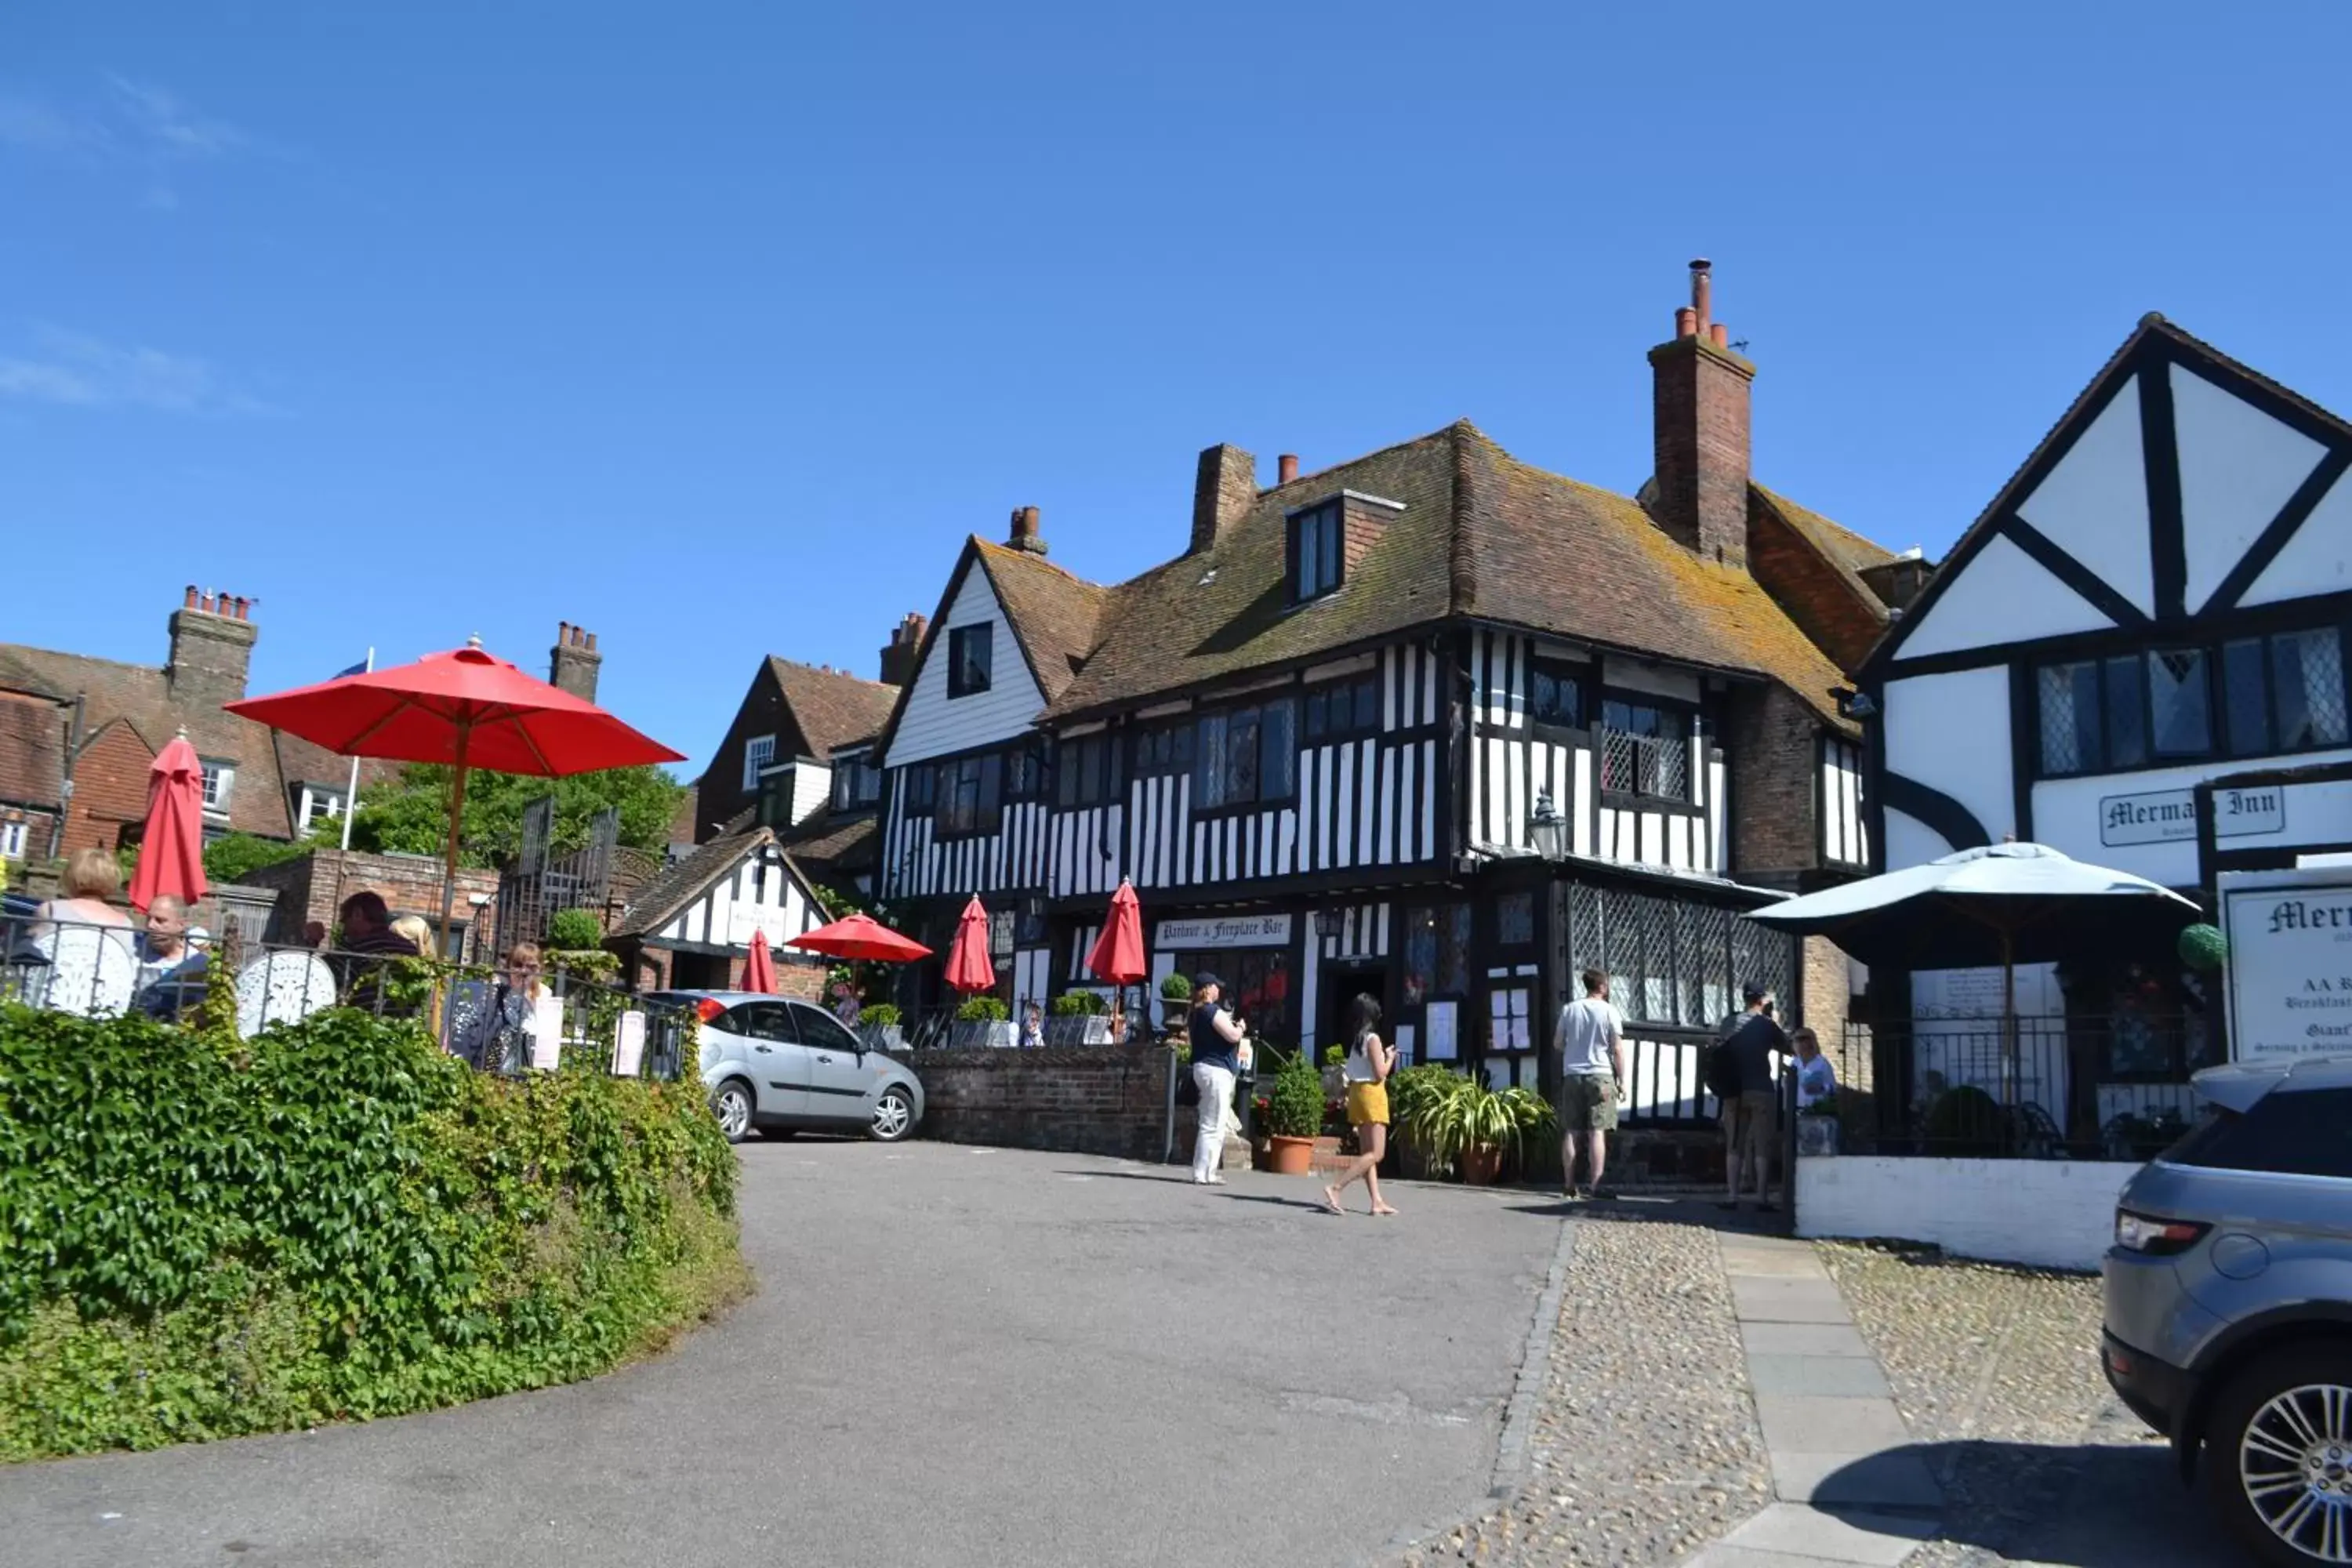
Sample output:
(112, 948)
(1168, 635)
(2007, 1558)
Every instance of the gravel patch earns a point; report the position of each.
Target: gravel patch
(1644, 1445)
(2000, 1361)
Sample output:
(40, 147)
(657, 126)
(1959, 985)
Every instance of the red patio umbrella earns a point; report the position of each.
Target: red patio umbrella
(171, 846)
(464, 709)
(760, 971)
(1117, 955)
(968, 965)
(860, 936)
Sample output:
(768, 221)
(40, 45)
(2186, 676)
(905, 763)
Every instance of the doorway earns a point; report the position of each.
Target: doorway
(1340, 985)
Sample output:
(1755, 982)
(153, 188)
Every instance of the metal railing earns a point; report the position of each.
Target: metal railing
(939, 1028)
(2084, 1088)
(107, 970)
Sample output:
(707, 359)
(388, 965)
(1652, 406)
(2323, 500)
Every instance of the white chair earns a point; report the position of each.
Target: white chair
(92, 972)
(283, 987)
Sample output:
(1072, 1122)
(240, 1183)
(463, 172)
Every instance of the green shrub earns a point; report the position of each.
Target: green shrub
(1335, 1056)
(1451, 1114)
(575, 931)
(1294, 1106)
(331, 1220)
(1176, 988)
(1079, 1004)
(983, 1010)
(879, 1013)
(233, 857)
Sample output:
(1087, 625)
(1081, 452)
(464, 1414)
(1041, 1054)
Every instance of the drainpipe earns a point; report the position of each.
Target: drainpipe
(66, 785)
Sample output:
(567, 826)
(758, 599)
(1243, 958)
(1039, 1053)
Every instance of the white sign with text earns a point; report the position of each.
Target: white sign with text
(2290, 964)
(1223, 931)
(2162, 816)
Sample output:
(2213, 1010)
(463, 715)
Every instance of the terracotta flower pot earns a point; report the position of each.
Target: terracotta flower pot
(1482, 1167)
(1290, 1156)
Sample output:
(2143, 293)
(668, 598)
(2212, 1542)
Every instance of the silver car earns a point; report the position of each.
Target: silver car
(782, 1065)
(2229, 1303)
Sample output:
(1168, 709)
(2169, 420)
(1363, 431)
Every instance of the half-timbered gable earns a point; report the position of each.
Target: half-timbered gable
(692, 925)
(2160, 595)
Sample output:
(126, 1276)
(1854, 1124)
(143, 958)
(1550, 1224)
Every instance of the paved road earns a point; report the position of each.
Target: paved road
(957, 1356)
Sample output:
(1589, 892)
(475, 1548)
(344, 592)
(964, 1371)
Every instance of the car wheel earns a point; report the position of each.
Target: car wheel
(731, 1103)
(894, 1116)
(2278, 1455)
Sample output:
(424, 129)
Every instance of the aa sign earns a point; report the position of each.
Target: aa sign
(2290, 961)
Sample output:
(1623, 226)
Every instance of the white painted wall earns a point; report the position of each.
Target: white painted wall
(2317, 559)
(1950, 732)
(934, 724)
(2001, 595)
(1911, 842)
(2051, 1213)
(2238, 466)
(2094, 504)
(2068, 814)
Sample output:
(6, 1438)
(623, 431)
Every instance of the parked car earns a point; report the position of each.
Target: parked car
(2229, 1303)
(780, 1066)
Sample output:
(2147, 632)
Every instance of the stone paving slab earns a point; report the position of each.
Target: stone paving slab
(1874, 1540)
(1804, 1339)
(1770, 1373)
(1787, 1300)
(1819, 1424)
(1851, 1481)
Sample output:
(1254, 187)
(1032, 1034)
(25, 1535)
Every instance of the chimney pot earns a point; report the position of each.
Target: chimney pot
(1702, 290)
(1285, 467)
(1719, 335)
(1686, 322)
(592, 640)
(563, 633)
(1025, 535)
(1700, 412)
(190, 601)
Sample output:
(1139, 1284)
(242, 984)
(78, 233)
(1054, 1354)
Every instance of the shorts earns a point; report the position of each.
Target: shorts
(1368, 1103)
(1588, 1102)
(1751, 1118)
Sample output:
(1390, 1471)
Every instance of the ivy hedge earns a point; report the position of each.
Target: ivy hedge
(202, 1238)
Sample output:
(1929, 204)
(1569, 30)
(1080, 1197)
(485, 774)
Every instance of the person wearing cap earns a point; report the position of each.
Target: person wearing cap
(1216, 1038)
(1752, 1103)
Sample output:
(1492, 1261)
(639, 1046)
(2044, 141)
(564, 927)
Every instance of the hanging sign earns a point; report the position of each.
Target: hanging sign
(546, 1033)
(629, 1044)
(2163, 815)
(2290, 960)
(1223, 931)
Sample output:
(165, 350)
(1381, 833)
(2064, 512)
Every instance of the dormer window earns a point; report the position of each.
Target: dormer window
(1316, 550)
(972, 656)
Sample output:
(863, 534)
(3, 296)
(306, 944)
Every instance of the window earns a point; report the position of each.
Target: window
(1086, 772)
(758, 753)
(1246, 756)
(1315, 537)
(856, 783)
(219, 779)
(1556, 694)
(1514, 919)
(763, 1021)
(318, 804)
(2284, 692)
(971, 795)
(1164, 751)
(822, 1031)
(1024, 773)
(12, 841)
(972, 656)
(1646, 750)
(920, 785)
(1257, 989)
(2298, 1132)
(1436, 952)
(1339, 711)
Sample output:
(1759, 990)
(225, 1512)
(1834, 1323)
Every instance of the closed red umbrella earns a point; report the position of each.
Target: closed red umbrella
(464, 709)
(171, 846)
(1117, 955)
(860, 936)
(968, 965)
(759, 970)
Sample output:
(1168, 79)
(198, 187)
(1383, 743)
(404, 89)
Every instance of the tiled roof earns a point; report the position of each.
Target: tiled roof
(1481, 535)
(33, 751)
(831, 707)
(677, 886)
(139, 696)
(1056, 616)
(827, 844)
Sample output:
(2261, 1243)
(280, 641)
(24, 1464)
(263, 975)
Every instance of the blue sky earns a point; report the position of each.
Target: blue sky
(715, 327)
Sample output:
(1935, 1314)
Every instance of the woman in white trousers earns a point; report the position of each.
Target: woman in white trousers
(1217, 1042)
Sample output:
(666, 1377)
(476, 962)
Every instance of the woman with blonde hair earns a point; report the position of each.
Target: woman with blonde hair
(93, 965)
(420, 936)
(502, 1039)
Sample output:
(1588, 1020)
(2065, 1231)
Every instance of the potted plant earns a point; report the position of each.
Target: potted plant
(1086, 1004)
(1175, 1001)
(1467, 1123)
(1294, 1116)
(981, 1021)
(878, 1027)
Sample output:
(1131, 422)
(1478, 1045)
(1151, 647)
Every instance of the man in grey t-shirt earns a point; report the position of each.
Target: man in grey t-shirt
(1590, 1042)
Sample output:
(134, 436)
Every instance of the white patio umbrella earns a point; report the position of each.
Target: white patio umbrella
(2005, 904)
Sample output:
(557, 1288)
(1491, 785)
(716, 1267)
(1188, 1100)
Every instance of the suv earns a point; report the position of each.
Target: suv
(781, 1065)
(2229, 1302)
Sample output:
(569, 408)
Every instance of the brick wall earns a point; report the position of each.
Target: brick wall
(1699, 414)
(313, 888)
(1093, 1099)
(1828, 1002)
(109, 789)
(210, 651)
(1822, 601)
(1772, 739)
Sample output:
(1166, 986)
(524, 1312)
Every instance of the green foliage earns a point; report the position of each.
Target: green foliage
(983, 1010)
(233, 857)
(577, 931)
(1335, 1056)
(879, 1015)
(1176, 988)
(409, 814)
(201, 1237)
(1448, 1114)
(1294, 1106)
(2203, 948)
(1079, 1004)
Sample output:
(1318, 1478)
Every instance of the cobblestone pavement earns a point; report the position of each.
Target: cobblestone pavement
(1644, 1445)
(1995, 1370)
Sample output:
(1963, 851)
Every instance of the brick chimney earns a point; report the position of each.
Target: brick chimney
(905, 642)
(1024, 534)
(1224, 486)
(1699, 411)
(572, 662)
(212, 644)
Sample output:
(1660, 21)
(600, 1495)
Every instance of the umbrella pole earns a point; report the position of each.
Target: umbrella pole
(2008, 1014)
(456, 817)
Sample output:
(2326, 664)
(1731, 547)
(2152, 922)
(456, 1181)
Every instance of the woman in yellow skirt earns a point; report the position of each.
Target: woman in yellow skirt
(1371, 1060)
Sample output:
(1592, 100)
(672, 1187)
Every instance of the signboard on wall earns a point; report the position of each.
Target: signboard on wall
(2290, 967)
(2160, 816)
(1223, 931)
(742, 919)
